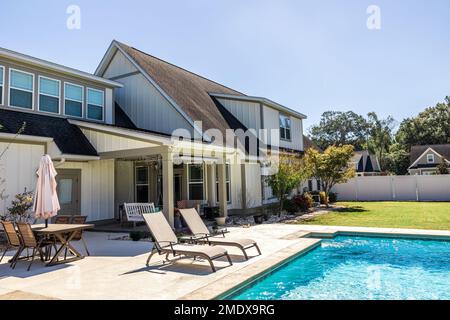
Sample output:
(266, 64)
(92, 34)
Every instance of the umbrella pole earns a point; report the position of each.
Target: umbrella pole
(46, 223)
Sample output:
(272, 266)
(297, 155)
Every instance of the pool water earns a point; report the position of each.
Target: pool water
(360, 268)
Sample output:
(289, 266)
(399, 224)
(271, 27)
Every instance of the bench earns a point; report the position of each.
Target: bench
(133, 211)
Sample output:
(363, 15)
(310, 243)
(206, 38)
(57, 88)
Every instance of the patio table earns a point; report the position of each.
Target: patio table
(64, 233)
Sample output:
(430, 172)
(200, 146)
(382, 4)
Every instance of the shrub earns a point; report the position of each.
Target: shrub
(304, 201)
(332, 197)
(136, 235)
(290, 206)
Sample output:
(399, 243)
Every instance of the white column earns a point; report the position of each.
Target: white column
(222, 188)
(168, 196)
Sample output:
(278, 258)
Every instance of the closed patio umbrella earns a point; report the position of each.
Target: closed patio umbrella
(46, 204)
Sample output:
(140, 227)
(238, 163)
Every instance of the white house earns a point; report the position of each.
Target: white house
(110, 134)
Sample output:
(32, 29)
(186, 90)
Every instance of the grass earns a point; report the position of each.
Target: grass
(412, 215)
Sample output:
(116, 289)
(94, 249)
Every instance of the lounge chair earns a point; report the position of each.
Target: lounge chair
(203, 235)
(166, 242)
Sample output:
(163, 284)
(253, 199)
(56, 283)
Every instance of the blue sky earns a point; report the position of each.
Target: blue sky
(311, 56)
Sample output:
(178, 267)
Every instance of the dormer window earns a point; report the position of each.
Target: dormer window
(285, 127)
(49, 92)
(430, 158)
(73, 100)
(95, 104)
(21, 89)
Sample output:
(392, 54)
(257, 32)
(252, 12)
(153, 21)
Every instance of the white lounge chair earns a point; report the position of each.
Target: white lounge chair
(166, 242)
(203, 235)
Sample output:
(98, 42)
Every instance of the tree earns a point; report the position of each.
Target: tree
(340, 128)
(442, 168)
(331, 167)
(396, 161)
(289, 173)
(431, 126)
(380, 136)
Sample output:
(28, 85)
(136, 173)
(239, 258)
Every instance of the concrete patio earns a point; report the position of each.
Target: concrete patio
(116, 268)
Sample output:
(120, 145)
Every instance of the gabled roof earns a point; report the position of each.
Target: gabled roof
(186, 90)
(68, 137)
(190, 93)
(365, 162)
(23, 58)
(418, 151)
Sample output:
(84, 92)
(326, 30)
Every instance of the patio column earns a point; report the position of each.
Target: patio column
(168, 196)
(221, 168)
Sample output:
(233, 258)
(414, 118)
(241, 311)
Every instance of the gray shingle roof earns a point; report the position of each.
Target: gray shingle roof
(189, 90)
(417, 151)
(68, 137)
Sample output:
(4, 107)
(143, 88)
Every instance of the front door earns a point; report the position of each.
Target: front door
(69, 191)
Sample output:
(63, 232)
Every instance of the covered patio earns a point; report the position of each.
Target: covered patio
(154, 168)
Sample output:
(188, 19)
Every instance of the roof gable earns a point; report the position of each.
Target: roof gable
(417, 152)
(188, 91)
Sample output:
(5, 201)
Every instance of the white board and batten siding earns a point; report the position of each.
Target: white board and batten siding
(395, 188)
(105, 142)
(18, 168)
(141, 101)
(271, 118)
(249, 113)
(97, 188)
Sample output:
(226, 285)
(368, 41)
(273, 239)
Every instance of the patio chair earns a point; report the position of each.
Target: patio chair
(79, 235)
(12, 238)
(29, 241)
(166, 242)
(63, 219)
(203, 235)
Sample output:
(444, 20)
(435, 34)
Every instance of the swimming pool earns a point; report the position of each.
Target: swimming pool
(359, 268)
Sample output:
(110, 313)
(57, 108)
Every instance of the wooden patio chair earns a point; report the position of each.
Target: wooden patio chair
(63, 219)
(29, 241)
(166, 242)
(79, 235)
(12, 238)
(201, 233)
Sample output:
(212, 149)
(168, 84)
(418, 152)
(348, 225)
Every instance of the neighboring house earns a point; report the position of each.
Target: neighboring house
(425, 159)
(366, 164)
(110, 133)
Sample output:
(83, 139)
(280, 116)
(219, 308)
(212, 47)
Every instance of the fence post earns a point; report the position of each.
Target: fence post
(394, 196)
(417, 188)
(356, 187)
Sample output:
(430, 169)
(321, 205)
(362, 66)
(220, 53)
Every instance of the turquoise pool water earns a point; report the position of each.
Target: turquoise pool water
(359, 268)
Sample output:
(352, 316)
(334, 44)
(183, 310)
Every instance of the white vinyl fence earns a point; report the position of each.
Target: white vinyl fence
(395, 188)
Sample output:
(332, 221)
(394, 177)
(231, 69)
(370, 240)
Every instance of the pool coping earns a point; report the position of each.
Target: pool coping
(309, 239)
(226, 285)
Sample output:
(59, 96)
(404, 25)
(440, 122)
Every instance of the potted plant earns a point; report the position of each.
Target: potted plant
(20, 207)
(220, 219)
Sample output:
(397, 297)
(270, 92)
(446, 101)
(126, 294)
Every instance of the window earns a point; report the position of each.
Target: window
(2, 76)
(95, 103)
(195, 172)
(430, 158)
(228, 182)
(310, 186)
(142, 189)
(73, 100)
(21, 87)
(285, 127)
(49, 94)
(319, 184)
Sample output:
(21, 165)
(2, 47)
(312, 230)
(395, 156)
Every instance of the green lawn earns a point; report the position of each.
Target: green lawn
(413, 215)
